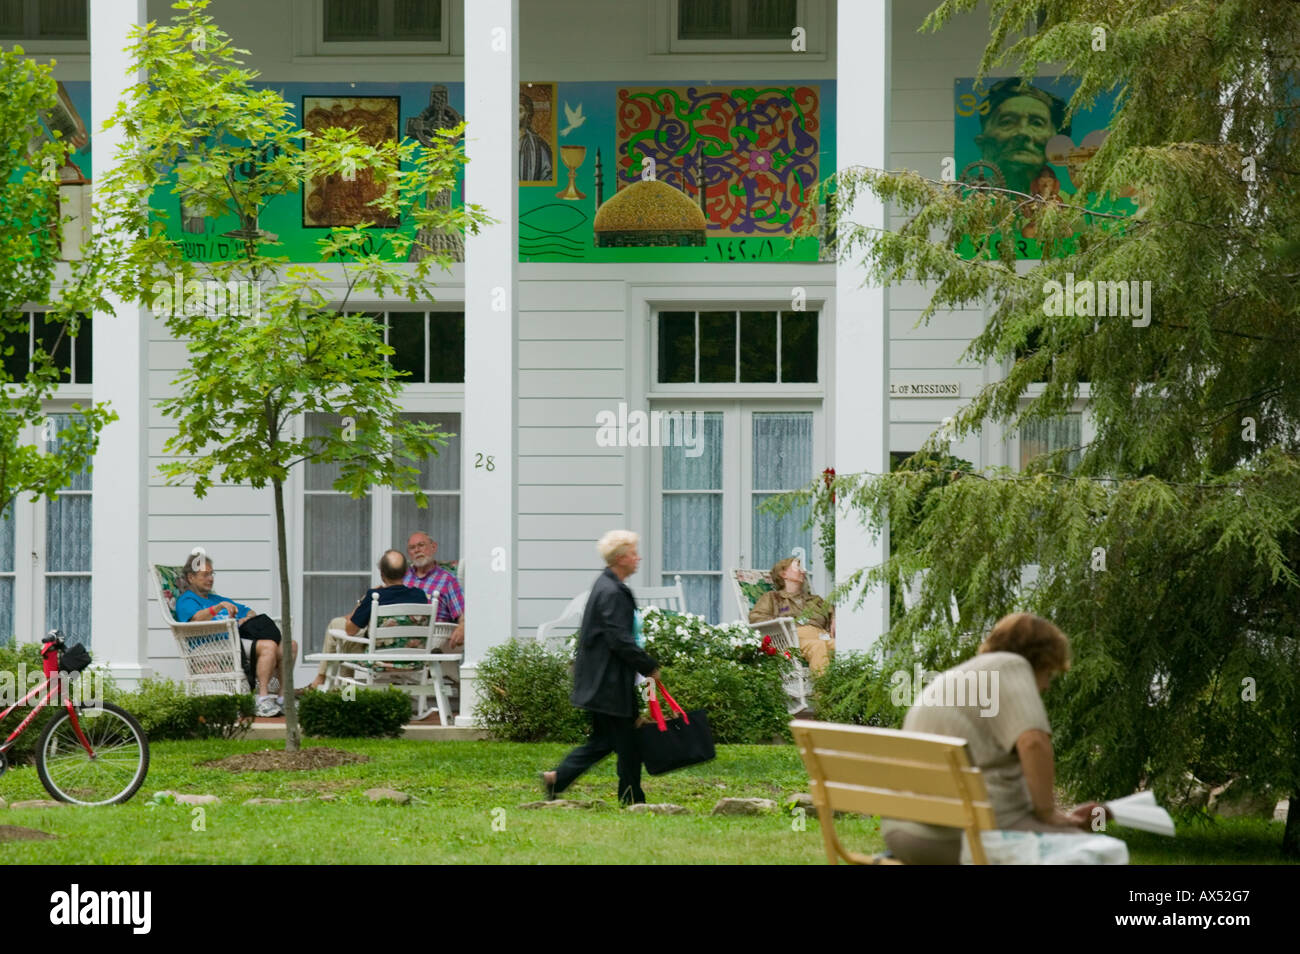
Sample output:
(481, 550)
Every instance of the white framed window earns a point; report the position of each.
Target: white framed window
(343, 537)
(738, 27)
(1074, 429)
(46, 26)
(45, 553)
(376, 28)
(718, 349)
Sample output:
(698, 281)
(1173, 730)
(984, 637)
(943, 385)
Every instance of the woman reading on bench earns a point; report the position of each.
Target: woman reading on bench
(815, 621)
(1005, 725)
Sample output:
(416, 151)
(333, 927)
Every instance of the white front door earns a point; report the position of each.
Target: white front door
(706, 493)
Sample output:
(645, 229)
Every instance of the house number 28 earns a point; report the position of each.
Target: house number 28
(485, 460)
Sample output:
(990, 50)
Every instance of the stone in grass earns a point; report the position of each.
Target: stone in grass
(387, 795)
(183, 799)
(658, 808)
(329, 797)
(3, 804)
(744, 806)
(273, 801)
(564, 803)
(800, 800)
(38, 803)
(19, 833)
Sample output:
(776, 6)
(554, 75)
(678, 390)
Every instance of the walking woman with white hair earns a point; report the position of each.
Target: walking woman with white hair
(604, 674)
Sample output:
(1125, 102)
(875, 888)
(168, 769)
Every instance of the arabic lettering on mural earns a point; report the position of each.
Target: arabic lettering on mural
(760, 146)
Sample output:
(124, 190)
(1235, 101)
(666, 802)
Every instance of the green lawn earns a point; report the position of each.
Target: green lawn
(457, 786)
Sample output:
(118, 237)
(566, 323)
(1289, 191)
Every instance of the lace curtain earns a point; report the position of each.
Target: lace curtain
(692, 518)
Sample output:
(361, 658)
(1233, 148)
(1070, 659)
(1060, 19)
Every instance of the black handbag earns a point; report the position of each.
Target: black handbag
(682, 739)
(74, 658)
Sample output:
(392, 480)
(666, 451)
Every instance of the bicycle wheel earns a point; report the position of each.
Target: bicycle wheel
(111, 775)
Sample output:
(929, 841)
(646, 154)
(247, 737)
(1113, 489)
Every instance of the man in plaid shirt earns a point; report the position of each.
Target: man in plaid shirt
(425, 574)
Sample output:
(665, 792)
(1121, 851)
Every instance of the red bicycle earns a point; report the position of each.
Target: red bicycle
(86, 755)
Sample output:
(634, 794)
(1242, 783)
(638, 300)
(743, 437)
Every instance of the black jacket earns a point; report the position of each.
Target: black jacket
(608, 656)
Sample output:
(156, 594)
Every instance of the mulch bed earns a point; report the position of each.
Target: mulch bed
(19, 833)
(278, 760)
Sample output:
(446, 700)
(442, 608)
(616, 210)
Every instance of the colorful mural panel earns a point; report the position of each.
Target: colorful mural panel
(755, 152)
(762, 148)
(1010, 134)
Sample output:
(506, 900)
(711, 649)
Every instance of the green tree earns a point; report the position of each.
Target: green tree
(1169, 554)
(30, 237)
(193, 125)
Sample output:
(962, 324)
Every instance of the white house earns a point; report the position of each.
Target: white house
(788, 363)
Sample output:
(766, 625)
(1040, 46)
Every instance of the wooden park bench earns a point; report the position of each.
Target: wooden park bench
(911, 776)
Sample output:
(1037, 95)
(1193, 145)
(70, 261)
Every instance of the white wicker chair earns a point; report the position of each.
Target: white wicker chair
(209, 650)
(748, 586)
(553, 634)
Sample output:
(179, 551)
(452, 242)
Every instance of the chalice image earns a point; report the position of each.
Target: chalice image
(572, 157)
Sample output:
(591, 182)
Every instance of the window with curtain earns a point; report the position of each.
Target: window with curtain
(337, 543)
(351, 21)
(52, 589)
(343, 537)
(8, 577)
(736, 19)
(693, 502)
(1042, 437)
(440, 481)
(44, 19)
(782, 461)
(67, 553)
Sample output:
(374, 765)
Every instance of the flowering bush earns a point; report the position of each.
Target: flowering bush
(680, 637)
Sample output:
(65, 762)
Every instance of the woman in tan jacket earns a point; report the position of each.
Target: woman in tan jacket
(815, 621)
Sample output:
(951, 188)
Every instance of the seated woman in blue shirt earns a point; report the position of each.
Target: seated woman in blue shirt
(199, 604)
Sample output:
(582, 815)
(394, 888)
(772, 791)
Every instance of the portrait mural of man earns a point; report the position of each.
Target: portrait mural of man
(537, 134)
(1014, 135)
(1014, 131)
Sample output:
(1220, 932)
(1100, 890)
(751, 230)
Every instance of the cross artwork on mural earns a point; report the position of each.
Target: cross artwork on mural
(755, 152)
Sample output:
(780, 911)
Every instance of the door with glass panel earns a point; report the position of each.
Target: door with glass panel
(707, 495)
(343, 537)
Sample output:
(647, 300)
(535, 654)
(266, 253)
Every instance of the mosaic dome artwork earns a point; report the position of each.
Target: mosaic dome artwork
(649, 212)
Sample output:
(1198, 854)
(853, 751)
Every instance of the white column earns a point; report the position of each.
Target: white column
(861, 411)
(488, 483)
(119, 629)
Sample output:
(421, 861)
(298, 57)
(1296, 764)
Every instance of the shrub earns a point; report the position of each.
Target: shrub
(524, 695)
(746, 703)
(367, 714)
(166, 712)
(724, 669)
(853, 690)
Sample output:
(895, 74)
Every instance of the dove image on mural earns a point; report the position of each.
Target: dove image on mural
(573, 117)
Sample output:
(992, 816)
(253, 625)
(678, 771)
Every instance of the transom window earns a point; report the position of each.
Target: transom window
(359, 21)
(735, 19)
(737, 347)
(44, 19)
(72, 355)
(429, 345)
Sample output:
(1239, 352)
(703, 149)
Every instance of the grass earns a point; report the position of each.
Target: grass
(456, 787)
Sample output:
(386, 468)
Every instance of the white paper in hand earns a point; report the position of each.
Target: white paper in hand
(1141, 811)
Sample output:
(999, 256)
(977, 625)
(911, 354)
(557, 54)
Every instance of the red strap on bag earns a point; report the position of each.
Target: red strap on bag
(657, 712)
